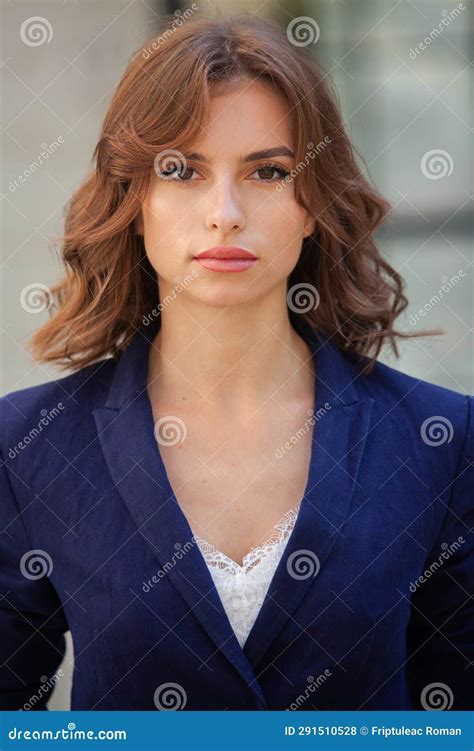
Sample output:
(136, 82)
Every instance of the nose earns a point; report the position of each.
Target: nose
(223, 207)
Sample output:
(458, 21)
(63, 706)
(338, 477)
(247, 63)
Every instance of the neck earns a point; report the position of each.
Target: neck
(230, 359)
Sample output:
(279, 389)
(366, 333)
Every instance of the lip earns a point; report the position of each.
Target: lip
(229, 264)
(227, 253)
(222, 258)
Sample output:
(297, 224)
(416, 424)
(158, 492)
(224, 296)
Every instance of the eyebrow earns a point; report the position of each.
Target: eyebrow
(255, 156)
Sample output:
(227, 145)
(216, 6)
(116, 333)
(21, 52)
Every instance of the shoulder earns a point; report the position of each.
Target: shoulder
(394, 385)
(32, 408)
(437, 414)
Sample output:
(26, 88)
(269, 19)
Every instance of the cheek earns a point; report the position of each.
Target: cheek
(162, 226)
(285, 234)
(284, 256)
(157, 217)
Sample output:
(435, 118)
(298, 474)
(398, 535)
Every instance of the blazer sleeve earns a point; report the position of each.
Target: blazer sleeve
(32, 622)
(440, 636)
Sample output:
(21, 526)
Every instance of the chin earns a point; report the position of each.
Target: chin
(219, 294)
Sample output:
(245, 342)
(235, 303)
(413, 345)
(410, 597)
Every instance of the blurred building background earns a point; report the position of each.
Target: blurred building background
(401, 68)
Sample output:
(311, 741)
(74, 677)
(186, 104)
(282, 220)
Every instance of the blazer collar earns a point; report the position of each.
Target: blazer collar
(140, 477)
(336, 371)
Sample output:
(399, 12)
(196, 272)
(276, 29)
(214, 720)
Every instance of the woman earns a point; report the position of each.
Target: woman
(230, 502)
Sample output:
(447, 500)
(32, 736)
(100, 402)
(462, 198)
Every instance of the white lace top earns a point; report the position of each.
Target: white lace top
(242, 589)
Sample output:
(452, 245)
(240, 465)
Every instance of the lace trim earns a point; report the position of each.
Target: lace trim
(280, 533)
(242, 588)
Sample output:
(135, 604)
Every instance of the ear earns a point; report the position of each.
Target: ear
(310, 225)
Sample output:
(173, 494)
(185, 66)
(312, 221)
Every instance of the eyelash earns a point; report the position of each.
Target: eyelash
(267, 165)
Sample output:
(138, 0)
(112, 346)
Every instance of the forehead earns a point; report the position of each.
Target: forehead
(245, 117)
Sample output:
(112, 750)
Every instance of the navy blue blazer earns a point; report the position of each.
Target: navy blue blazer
(370, 605)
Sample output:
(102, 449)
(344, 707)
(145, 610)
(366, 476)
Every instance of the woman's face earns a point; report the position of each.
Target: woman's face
(225, 201)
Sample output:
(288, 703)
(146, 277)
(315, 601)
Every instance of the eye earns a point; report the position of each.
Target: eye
(269, 167)
(179, 174)
(176, 174)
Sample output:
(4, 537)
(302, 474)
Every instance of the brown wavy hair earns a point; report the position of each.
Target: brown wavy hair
(160, 103)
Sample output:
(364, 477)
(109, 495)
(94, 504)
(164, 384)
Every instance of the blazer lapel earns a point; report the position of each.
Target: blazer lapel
(126, 433)
(339, 437)
(125, 427)
(337, 450)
